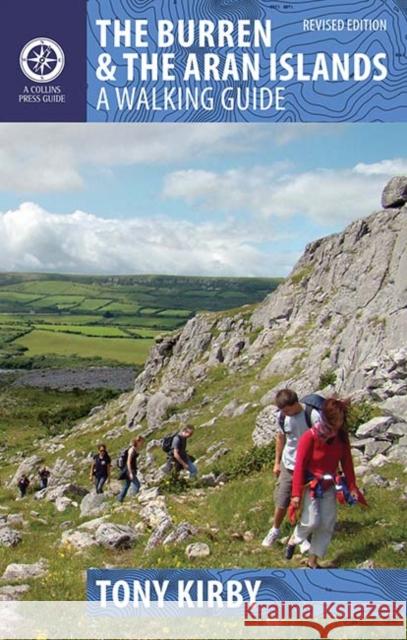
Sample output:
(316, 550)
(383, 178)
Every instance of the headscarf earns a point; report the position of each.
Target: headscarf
(324, 428)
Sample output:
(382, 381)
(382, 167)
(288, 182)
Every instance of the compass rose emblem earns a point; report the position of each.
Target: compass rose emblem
(42, 60)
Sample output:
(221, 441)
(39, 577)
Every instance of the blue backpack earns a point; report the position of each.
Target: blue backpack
(312, 401)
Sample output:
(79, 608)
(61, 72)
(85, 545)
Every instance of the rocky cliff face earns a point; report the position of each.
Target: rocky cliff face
(340, 318)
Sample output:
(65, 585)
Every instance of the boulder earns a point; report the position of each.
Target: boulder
(9, 593)
(229, 409)
(367, 564)
(147, 495)
(15, 520)
(395, 193)
(96, 410)
(374, 427)
(378, 461)
(375, 447)
(159, 534)
(222, 451)
(241, 409)
(62, 503)
(9, 537)
(361, 443)
(210, 423)
(398, 454)
(25, 571)
(154, 512)
(208, 480)
(78, 539)
(28, 466)
(197, 550)
(70, 490)
(93, 504)
(92, 525)
(374, 480)
(397, 430)
(115, 536)
(180, 533)
(361, 470)
(61, 472)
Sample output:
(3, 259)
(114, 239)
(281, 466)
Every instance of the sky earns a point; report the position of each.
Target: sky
(211, 199)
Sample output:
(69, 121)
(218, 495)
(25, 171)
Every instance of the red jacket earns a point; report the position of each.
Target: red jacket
(316, 456)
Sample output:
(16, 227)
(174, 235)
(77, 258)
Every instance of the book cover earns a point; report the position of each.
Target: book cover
(203, 311)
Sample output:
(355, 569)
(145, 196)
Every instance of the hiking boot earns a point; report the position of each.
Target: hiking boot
(289, 551)
(271, 537)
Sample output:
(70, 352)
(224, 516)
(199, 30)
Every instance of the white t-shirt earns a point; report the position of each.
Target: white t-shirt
(294, 427)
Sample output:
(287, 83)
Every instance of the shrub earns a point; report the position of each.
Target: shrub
(173, 484)
(247, 462)
(359, 413)
(327, 378)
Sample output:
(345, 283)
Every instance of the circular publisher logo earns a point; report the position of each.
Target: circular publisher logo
(42, 60)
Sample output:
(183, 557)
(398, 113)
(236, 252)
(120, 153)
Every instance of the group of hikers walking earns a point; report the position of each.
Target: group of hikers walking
(178, 459)
(175, 446)
(313, 464)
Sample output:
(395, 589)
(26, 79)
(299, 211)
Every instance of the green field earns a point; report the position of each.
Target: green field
(126, 350)
(45, 318)
(98, 332)
(93, 304)
(173, 313)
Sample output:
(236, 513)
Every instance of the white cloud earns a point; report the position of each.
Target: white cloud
(36, 240)
(51, 157)
(325, 196)
(235, 189)
(397, 166)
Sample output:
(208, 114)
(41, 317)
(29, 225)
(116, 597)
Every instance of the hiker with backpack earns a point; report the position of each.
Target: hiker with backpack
(23, 484)
(127, 463)
(44, 475)
(100, 468)
(320, 451)
(293, 419)
(176, 448)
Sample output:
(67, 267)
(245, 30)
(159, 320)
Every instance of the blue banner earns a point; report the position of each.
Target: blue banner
(273, 584)
(189, 61)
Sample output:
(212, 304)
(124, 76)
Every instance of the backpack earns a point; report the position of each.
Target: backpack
(311, 401)
(166, 442)
(122, 459)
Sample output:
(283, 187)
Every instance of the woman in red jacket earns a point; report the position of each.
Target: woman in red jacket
(320, 450)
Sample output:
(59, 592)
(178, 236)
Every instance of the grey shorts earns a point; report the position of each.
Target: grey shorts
(282, 493)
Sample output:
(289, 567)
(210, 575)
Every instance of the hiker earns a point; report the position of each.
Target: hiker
(128, 465)
(44, 474)
(178, 457)
(100, 468)
(23, 485)
(293, 420)
(321, 449)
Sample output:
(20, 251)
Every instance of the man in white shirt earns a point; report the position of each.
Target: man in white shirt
(293, 419)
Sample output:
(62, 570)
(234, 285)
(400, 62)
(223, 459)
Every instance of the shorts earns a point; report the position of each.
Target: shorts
(282, 493)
